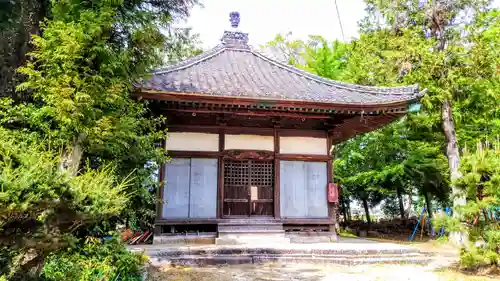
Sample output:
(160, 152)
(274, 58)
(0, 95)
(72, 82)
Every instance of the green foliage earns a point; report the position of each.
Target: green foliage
(316, 55)
(481, 183)
(43, 205)
(94, 260)
(77, 155)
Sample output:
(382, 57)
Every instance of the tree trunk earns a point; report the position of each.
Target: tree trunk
(367, 211)
(453, 155)
(410, 203)
(349, 216)
(15, 42)
(401, 205)
(344, 211)
(72, 156)
(337, 217)
(428, 204)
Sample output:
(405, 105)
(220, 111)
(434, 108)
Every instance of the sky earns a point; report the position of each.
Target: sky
(263, 19)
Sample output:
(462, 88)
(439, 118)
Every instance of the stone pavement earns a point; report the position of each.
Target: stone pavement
(346, 252)
(302, 272)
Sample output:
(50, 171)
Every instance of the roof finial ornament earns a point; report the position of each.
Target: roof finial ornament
(234, 18)
(235, 38)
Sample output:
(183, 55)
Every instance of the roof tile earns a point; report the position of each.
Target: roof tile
(234, 69)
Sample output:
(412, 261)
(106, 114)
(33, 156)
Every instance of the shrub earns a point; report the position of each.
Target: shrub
(481, 184)
(95, 260)
(42, 207)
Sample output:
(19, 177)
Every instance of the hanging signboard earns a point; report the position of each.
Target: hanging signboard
(333, 193)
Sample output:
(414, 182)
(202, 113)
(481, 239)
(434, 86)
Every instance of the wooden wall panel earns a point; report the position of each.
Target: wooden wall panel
(292, 190)
(249, 142)
(316, 183)
(203, 191)
(303, 189)
(303, 145)
(182, 141)
(176, 189)
(190, 189)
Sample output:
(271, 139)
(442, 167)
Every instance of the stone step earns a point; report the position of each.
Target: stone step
(312, 239)
(287, 250)
(249, 226)
(249, 222)
(248, 259)
(252, 231)
(252, 240)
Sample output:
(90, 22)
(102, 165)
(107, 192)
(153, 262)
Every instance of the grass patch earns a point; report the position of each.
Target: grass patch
(456, 275)
(347, 233)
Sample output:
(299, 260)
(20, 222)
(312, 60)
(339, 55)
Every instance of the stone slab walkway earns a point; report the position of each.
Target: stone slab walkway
(344, 244)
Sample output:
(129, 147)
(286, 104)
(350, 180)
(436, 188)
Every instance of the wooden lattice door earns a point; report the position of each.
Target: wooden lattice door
(248, 188)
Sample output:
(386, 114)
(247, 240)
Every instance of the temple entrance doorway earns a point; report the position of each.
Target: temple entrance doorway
(248, 188)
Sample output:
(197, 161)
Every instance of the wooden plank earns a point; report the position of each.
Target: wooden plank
(306, 227)
(235, 200)
(193, 154)
(316, 182)
(176, 192)
(293, 196)
(277, 204)
(203, 188)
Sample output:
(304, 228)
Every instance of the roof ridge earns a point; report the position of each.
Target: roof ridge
(335, 83)
(192, 61)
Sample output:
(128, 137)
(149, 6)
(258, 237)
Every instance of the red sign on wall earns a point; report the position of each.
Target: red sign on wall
(333, 193)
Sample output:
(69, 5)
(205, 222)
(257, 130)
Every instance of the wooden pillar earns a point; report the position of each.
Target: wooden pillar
(220, 174)
(277, 203)
(331, 206)
(160, 192)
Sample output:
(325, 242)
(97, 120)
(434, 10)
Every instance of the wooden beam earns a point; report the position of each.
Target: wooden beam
(216, 129)
(254, 112)
(185, 221)
(304, 157)
(193, 154)
(307, 221)
(295, 221)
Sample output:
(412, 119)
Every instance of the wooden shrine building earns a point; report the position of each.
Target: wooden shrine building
(251, 137)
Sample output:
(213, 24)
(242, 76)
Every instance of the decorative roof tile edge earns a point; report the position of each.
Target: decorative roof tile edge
(243, 99)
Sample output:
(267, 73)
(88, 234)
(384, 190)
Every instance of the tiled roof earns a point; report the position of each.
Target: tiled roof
(234, 69)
